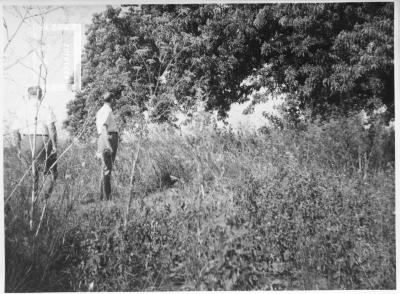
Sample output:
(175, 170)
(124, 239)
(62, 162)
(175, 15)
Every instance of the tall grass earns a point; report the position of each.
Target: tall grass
(311, 209)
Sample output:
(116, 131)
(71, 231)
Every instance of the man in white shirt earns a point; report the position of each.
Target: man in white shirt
(36, 138)
(107, 144)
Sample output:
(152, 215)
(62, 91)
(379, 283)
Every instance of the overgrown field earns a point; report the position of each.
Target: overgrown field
(279, 209)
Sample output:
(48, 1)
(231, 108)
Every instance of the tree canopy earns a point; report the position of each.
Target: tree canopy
(330, 56)
(162, 58)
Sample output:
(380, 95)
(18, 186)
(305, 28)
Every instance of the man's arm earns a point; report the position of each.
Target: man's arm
(17, 141)
(51, 125)
(16, 132)
(53, 136)
(104, 134)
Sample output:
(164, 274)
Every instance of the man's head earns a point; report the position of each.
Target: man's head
(35, 92)
(107, 97)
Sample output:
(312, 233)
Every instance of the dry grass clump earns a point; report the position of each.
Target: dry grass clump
(311, 209)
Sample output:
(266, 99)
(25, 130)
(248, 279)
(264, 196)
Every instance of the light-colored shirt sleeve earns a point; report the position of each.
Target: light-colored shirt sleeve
(105, 117)
(51, 118)
(102, 118)
(21, 122)
(17, 123)
(107, 120)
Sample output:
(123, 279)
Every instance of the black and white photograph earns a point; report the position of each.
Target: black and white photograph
(204, 146)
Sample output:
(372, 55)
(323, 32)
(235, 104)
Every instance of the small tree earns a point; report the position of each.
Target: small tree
(30, 16)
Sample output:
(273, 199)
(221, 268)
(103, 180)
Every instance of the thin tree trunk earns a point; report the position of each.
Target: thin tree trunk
(131, 185)
(33, 149)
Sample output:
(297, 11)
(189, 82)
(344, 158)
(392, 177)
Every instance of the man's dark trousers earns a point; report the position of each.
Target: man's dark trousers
(43, 155)
(108, 158)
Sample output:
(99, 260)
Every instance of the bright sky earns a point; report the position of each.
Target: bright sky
(60, 57)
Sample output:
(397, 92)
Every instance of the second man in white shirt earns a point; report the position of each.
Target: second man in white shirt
(107, 144)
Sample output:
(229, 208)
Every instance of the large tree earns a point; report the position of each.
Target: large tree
(161, 58)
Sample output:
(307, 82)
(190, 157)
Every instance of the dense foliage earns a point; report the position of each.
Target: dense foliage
(326, 55)
(310, 209)
(329, 57)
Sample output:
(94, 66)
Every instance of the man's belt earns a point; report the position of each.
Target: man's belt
(110, 133)
(45, 135)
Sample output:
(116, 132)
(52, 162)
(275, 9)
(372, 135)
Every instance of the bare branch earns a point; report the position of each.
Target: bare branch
(43, 13)
(18, 13)
(24, 17)
(6, 28)
(15, 33)
(28, 67)
(19, 59)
